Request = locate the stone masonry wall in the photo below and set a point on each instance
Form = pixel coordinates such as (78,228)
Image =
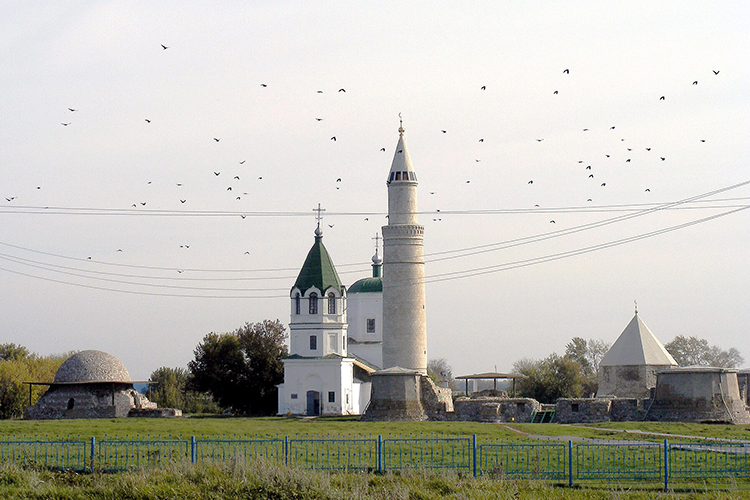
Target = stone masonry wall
(488,409)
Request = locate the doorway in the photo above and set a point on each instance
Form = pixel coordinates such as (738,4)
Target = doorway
(313,403)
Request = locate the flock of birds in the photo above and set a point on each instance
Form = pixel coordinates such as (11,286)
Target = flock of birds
(237,189)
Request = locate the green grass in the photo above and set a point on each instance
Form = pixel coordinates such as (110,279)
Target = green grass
(260,480)
(647,431)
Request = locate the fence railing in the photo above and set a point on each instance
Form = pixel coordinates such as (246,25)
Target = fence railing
(552,461)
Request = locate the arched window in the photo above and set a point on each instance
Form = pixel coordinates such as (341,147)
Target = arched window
(71,403)
(331,303)
(296,303)
(313,303)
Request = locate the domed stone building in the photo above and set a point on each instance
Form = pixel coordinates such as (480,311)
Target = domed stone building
(93,384)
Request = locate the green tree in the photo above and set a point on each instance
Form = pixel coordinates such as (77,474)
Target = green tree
(170,390)
(588,354)
(18,366)
(688,351)
(550,378)
(241,369)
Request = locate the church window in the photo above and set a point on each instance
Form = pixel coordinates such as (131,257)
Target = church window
(331,396)
(313,303)
(294,396)
(313,342)
(398,176)
(370,325)
(297,304)
(331,303)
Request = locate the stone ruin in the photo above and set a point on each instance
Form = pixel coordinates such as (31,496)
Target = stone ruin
(94,384)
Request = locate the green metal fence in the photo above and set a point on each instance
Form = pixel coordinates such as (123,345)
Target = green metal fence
(550,461)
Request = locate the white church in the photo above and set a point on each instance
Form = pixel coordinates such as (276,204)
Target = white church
(336,334)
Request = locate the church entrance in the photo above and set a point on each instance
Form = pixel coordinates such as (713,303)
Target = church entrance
(313,403)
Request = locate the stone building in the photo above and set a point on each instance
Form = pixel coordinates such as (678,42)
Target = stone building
(698,394)
(628,370)
(93,384)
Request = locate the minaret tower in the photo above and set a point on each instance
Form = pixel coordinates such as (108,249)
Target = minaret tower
(404,324)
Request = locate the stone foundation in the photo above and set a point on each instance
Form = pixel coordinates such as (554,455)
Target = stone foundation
(401,394)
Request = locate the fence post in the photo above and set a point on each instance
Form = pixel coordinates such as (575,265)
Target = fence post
(93,445)
(666,465)
(193,451)
(474,452)
(570,463)
(286,450)
(380,453)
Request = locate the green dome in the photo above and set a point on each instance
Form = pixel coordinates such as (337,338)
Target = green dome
(318,270)
(367,285)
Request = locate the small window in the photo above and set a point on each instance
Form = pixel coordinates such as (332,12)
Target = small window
(297,301)
(313,342)
(370,325)
(331,303)
(331,397)
(414,176)
(520,406)
(398,176)
(313,303)
(71,403)
(390,179)
(294,396)
(574,407)
(343,343)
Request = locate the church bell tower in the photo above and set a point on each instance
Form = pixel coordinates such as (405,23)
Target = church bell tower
(404,319)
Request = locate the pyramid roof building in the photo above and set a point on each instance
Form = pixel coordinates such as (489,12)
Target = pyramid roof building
(318,270)
(637,346)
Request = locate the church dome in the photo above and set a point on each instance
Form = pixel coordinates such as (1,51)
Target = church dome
(318,270)
(91,366)
(367,285)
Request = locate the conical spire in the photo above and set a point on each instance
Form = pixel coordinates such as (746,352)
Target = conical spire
(401,167)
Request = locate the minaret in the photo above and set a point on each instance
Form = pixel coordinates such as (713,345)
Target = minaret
(404,325)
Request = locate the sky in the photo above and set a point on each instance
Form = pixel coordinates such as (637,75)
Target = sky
(125,124)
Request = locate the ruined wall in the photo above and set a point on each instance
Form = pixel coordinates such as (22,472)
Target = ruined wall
(437,402)
(396,395)
(488,409)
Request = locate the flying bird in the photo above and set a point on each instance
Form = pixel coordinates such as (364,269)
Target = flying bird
(539,140)
(217,173)
(65,124)
(333,138)
(611,128)
(320,91)
(71,109)
(119,249)
(342,90)
(263,85)
(585,130)
(566,71)
(531,182)
(552,222)
(243,162)
(331,225)
(555,92)
(148,121)
(604,184)
(627,161)
(164,47)
(444,131)
(716,72)
(468,182)
(243,216)
(338,180)
(648,149)
(662,158)
(695,82)
(400,151)
(703,140)
(481,140)
(591,176)
(648,190)
(318,119)
(229,188)
(477,161)
(588,168)
(237,177)
(143,203)
(661,98)
(382,149)
(11,198)
(483,87)
(183,201)
(217,140)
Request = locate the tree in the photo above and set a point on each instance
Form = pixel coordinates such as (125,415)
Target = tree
(688,351)
(549,379)
(587,354)
(441,373)
(18,366)
(170,390)
(241,369)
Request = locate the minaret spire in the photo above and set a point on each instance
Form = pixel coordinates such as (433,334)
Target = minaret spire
(400,126)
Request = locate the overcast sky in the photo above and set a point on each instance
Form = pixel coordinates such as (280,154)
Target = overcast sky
(118,230)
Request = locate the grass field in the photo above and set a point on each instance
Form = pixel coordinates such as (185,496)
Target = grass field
(352,427)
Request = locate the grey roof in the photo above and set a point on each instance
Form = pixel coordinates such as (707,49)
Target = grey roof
(637,346)
(92,366)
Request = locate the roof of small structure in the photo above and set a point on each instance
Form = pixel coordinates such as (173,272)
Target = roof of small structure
(698,369)
(318,270)
(367,285)
(637,346)
(91,366)
(490,376)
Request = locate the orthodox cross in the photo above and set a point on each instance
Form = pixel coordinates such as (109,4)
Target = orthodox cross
(319,217)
